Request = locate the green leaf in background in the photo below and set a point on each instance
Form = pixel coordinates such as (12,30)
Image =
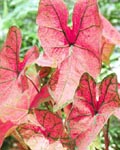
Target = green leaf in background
(96,144)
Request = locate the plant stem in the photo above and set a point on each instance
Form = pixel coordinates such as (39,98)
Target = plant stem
(18,137)
(106,136)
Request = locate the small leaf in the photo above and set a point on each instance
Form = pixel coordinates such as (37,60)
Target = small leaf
(5,130)
(41,97)
(51,122)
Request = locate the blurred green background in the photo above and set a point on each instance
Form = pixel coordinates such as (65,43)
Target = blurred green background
(22,13)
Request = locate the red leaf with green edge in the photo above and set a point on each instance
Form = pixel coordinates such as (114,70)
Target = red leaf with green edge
(51,122)
(109,32)
(107,50)
(5,130)
(47,125)
(91,109)
(74,47)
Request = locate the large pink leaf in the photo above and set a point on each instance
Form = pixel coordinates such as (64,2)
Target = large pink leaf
(73,46)
(16,90)
(66,78)
(92,108)
(52,21)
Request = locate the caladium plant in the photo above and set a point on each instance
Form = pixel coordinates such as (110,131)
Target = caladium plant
(47,98)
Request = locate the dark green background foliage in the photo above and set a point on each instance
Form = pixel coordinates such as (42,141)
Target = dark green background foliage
(22,13)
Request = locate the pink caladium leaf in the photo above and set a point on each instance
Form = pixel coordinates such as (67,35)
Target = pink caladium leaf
(73,46)
(16,91)
(91,109)
(49,126)
(9,62)
(52,21)
(36,140)
(29,57)
(41,97)
(51,122)
(10,65)
(5,130)
(109,32)
(16,106)
(111,37)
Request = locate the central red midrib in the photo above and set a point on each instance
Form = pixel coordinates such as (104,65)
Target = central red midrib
(70,36)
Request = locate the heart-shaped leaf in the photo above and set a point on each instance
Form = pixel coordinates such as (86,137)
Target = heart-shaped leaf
(16,90)
(91,109)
